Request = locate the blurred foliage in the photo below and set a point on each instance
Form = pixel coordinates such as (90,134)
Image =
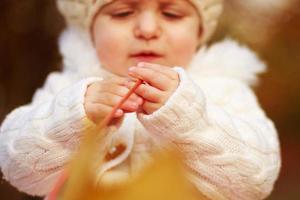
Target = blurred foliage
(162,179)
(28,52)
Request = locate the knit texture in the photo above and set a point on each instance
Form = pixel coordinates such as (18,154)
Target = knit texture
(230,146)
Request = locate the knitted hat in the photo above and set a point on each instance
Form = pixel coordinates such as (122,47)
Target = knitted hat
(81,13)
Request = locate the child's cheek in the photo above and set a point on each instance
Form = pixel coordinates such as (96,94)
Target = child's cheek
(110,50)
(184,42)
(186,49)
(105,46)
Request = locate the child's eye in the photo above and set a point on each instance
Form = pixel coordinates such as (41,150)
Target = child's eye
(122,14)
(172,15)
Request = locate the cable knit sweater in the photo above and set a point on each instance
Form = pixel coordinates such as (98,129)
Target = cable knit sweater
(231,148)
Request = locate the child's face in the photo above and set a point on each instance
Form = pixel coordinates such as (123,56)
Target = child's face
(165,32)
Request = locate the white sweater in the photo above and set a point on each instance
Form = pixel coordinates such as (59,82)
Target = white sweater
(231,148)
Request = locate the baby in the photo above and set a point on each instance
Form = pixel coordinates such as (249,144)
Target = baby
(196,98)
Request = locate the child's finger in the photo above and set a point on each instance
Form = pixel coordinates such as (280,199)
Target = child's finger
(149,93)
(97,112)
(114,86)
(167,71)
(107,83)
(130,106)
(112,100)
(150,107)
(152,77)
(117,80)
(135,98)
(120,90)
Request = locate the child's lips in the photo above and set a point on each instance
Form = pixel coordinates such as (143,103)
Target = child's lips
(146,57)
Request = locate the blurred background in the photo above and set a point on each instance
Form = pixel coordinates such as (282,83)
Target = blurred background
(29,51)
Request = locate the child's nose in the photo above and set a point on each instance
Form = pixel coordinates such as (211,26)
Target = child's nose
(147,26)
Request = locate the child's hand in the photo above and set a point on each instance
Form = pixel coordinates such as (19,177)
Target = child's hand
(161,82)
(102,96)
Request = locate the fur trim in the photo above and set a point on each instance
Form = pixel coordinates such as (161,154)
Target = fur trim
(79,54)
(226,58)
(230,59)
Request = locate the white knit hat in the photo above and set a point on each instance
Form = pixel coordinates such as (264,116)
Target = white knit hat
(81,13)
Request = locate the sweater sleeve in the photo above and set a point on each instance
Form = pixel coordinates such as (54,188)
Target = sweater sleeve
(230,147)
(37,139)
